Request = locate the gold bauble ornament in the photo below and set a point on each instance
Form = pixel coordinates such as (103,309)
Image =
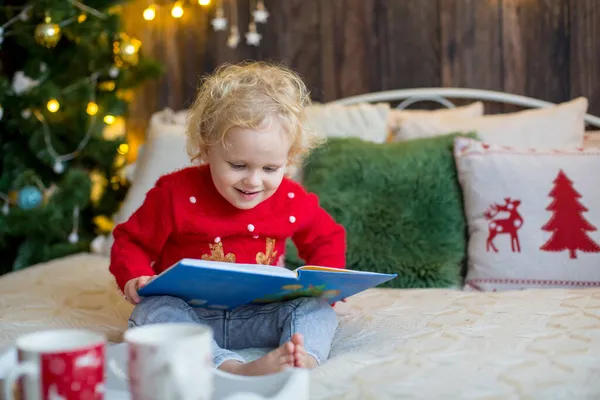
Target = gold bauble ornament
(107,86)
(127,95)
(47,34)
(99,183)
(103,223)
(126,51)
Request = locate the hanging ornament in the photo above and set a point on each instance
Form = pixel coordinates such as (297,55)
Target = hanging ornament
(1,35)
(5,209)
(22,83)
(126,51)
(1,112)
(252,36)
(29,197)
(73,237)
(47,34)
(113,72)
(260,14)
(59,167)
(234,37)
(219,22)
(26,113)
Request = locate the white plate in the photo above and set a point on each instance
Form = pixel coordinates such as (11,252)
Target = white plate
(277,385)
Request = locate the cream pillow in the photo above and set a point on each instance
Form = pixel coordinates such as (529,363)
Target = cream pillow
(533,216)
(591,139)
(398,117)
(164,152)
(365,121)
(557,126)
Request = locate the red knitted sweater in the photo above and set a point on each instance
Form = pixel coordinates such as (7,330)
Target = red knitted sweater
(183,216)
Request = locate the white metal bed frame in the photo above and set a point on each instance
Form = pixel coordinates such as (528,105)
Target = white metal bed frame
(441,96)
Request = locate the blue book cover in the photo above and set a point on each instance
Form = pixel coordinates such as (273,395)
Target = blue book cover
(225,286)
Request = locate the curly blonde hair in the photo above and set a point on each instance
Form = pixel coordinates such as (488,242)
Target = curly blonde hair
(245,95)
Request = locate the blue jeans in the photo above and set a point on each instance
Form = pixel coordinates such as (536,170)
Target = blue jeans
(252,326)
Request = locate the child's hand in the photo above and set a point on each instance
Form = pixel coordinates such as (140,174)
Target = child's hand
(132,286)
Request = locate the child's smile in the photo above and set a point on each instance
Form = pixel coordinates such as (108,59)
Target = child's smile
(249,167)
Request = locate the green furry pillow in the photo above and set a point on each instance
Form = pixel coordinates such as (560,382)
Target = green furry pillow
(400,203)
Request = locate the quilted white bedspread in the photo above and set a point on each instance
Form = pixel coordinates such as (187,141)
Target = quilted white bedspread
(409,344)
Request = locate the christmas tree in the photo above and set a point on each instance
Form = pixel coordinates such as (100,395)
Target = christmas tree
(568,225)
(68,74)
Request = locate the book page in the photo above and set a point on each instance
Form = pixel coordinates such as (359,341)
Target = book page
(258,269)
(329,269)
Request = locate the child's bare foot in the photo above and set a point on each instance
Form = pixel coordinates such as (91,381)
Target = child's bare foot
(276,361)
(301,358)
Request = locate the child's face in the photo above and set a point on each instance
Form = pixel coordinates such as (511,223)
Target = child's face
(251,167)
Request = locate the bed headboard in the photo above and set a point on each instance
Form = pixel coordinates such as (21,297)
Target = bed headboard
(406,97)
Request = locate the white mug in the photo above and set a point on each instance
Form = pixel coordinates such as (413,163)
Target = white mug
(170,361)
(60,364)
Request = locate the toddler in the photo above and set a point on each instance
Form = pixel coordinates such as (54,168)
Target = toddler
(236,205)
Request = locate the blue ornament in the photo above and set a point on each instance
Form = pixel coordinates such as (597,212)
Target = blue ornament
(29,197)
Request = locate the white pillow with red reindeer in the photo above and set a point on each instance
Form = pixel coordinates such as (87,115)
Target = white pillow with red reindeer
(533,216)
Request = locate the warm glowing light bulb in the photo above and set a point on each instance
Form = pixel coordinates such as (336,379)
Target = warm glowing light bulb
(92,108)
(123,148)
(204,2)
(177,10)
(109,119)
(53,105)
(149,13)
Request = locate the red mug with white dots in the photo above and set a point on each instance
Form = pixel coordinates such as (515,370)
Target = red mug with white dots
(62,364)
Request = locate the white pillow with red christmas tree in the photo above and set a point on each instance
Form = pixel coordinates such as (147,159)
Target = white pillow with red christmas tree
(533,216)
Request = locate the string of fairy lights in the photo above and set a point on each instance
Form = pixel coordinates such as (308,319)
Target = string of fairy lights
(126,53)
(48,34)
(225,15)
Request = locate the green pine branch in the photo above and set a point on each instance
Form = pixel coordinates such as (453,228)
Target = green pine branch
(74,72)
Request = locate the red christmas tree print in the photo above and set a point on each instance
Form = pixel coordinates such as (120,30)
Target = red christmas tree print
(567,224)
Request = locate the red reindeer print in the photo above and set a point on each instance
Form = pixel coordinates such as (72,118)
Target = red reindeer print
(504,225)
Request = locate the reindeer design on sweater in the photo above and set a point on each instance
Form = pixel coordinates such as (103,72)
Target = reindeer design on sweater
(504,225)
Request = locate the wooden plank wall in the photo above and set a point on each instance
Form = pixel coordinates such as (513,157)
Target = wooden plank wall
(544,49)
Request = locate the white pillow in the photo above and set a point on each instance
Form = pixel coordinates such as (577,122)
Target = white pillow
(533,216)
(164,152)
(557,126)
(365,121)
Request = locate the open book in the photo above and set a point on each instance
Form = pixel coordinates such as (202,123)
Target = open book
(222,285)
